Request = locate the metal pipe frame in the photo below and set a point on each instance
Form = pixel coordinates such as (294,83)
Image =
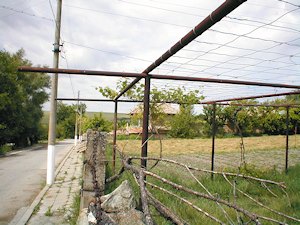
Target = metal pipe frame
(213,139)
(214,17)
(78,72)
(159,77)
(115,136)
(224,9)
(260,105)
(146,112)
(174,102)
(287,138)
(253,97)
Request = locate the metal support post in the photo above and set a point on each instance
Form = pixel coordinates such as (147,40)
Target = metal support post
(80,125)
(53,103)
(287,138)
(76,121)
(115,136)
(213,138)
(145,122)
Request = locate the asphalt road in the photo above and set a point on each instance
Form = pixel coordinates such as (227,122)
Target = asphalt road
(22,177)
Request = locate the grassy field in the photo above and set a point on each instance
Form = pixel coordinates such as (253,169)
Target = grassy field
(264,152)
(288,203)
(223,145)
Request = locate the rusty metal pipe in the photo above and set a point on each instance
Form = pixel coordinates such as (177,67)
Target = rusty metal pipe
(153,76)
(79,72)
(223,81)
(144,150)
(97,100)
(253,97)
(174,102)
(115,136)
(214,129)
(287,139)
(258,105)
(223,10)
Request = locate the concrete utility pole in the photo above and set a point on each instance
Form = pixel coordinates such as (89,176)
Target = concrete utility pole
(53,103)
(76,121)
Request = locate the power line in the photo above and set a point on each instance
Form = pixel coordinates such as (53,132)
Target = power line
(178,25)
(126,16)
(22,12)
(240,69)
(256,38)
(230,19)
(264,23)
(105,51)
(239,36)
(65,56)
(238,56)
(254,52)
(289,3)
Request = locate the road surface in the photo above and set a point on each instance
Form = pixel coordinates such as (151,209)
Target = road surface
(23,175)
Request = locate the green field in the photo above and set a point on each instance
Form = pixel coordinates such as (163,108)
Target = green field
(286,201)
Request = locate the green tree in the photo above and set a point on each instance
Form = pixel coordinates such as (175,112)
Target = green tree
(185,124)
(272,120)
(208,118)
(98,122)
(180,95)
(294,113)
(66,119)
(243,120)
(21,99)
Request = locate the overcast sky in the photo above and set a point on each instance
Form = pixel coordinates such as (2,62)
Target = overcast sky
(259,41)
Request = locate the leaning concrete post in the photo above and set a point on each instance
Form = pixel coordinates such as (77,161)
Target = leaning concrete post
(94,167)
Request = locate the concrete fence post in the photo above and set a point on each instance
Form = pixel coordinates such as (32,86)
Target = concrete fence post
(94,167)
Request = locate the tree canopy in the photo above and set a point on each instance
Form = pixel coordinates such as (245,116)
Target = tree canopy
(21,98)
(97,122)
(66,119)
(182,125)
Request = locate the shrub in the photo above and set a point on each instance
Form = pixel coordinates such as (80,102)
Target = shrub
(4,149)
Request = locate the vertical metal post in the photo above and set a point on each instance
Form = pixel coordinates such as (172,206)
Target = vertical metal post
(80,125)
(213,138)
(145,122)
(53,103)
(287,138)
(115,136)
(76,120)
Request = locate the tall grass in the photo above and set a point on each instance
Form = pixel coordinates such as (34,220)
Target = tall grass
(218,187)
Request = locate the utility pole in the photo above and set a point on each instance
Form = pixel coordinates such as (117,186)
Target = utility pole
(76,120)
(53,103)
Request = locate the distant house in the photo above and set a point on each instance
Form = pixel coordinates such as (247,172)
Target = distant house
(166,108)
(136,113)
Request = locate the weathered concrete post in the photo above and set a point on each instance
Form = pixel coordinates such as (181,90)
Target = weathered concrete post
(94,167)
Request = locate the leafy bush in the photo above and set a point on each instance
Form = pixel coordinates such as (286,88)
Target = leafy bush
(98,122)
(4,149)
(185,124)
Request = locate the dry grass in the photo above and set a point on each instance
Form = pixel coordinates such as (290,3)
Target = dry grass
(192,146)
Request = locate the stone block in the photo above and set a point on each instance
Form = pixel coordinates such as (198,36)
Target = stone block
(87,178)
(86,198)
(121,199)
